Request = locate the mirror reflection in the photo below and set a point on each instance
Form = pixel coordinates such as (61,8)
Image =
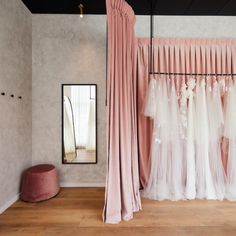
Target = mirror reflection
(79,123)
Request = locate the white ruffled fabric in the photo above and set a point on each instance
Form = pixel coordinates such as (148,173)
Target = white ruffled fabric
(216,124)
(186,158)
(230,134)
(190,191)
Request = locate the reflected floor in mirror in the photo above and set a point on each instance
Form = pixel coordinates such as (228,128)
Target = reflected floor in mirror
(83,156)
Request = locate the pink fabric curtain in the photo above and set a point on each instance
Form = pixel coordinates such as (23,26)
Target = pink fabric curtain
(144,125)
(184,56)
(122,196)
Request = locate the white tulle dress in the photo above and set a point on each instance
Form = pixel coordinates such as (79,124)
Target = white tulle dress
(215,124)
(175,146)
(230,134)
(157,107)
(190,191)
(186,160)
(166,174)
(204,181)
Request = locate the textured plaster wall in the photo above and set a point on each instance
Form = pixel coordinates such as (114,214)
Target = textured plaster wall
(15,114)
(188,26)
(67,49)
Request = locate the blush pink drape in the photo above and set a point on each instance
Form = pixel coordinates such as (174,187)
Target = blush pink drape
(144,124)
(208,56)
(122,196)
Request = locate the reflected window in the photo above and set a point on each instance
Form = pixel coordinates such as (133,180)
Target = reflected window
(79,123)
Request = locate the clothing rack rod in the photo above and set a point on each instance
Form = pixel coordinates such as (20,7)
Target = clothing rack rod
(193,74)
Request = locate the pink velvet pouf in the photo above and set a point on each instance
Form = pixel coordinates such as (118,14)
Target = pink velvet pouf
(39,183)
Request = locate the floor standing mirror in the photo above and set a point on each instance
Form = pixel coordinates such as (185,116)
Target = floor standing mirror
(79,126)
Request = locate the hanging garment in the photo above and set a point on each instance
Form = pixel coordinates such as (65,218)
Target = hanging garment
(224,140)
(166,174)
(176,145)
(230,134)
(186,145)
(158,186)
(204,181)
(216,122)
(190,191)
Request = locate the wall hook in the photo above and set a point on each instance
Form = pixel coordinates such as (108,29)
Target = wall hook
(12,95)
(3,94)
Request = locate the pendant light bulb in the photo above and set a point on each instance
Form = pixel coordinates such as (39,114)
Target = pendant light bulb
(81,8)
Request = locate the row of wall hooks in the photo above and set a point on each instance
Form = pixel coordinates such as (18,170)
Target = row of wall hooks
(12,95)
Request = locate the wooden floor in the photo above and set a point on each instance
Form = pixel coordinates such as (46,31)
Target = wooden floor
(77,211)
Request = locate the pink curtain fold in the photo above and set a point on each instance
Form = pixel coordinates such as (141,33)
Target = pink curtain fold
(182,55)
(144,124)
(122,196)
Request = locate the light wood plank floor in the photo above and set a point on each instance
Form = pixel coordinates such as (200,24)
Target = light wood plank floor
(77,211)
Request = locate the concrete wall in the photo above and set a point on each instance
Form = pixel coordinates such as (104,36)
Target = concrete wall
(15,114)
(67,49)
(188,26)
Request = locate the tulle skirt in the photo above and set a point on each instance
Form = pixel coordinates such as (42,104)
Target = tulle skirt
(186,162)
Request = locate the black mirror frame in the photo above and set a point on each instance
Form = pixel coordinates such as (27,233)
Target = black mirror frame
(62,124)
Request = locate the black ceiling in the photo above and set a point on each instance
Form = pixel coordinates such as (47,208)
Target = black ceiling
(141,7)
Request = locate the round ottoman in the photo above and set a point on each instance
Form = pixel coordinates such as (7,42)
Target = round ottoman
(39,183)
